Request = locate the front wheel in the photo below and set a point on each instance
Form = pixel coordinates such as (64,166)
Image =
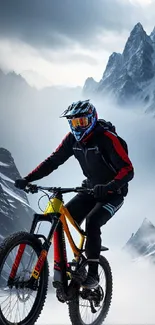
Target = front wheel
(20,304)
(90,307)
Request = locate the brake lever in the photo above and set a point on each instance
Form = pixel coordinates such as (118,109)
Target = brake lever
(26,190)
(31,188)
(90,191)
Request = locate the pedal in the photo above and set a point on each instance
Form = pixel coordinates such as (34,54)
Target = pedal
(57,284)
(79,275)
(61,296)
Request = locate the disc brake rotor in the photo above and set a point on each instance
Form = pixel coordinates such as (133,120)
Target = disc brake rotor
(23,293)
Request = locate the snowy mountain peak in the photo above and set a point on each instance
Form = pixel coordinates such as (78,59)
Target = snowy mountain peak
(142,243)
(146,223)
(138,28)
(114,57)
(4,152)
(90,85)
(129,77)
(136,42)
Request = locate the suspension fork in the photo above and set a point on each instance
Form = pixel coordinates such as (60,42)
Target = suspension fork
(60,257)
(54,220)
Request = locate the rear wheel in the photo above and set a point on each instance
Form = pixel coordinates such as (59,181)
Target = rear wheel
(19,304)
(92,306)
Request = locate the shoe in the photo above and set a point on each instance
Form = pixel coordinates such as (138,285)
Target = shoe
(91,281)
(79,275)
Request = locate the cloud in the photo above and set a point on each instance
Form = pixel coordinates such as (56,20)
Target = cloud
(143,3)
(66,42)
(132,300)
(62,67)
(133,291)
(75,56)
(55,24)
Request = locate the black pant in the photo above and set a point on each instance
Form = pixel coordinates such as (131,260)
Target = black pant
(97,214)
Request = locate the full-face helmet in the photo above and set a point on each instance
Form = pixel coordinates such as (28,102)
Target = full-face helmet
(82,118)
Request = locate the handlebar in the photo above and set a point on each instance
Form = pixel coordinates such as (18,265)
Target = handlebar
(33,188)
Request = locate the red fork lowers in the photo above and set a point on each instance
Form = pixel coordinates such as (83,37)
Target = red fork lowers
(57,257)
(17,261)
(56,251)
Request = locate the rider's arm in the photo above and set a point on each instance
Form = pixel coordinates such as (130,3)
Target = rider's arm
(57,158)
(119,159)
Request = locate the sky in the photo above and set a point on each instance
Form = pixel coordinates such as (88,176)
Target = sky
(64,42)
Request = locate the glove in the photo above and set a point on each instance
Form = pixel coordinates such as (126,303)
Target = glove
(86,183)
(21,183)
(100,190)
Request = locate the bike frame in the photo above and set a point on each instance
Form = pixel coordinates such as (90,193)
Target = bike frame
(57,214)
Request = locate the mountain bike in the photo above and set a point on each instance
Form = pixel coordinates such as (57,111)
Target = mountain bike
(24,268)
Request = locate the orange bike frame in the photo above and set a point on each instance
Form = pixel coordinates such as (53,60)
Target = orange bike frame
(56,205)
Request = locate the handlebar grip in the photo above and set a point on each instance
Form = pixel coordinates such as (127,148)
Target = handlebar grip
(85,190)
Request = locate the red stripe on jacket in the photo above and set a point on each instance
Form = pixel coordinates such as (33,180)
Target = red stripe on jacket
(123,155)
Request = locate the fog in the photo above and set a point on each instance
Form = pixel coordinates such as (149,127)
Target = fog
(133,295)
(31,129)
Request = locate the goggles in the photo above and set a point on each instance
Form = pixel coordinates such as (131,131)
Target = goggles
(80,121)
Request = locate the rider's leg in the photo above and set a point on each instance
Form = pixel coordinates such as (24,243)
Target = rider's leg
(98,216)
(80,205)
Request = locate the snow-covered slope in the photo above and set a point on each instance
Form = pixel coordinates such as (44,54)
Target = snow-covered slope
(142,243)
(15,212)
(129,77)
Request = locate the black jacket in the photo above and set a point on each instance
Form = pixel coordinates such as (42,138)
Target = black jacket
(93,155)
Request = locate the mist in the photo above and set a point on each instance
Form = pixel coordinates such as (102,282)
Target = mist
(133,295)
(30,128)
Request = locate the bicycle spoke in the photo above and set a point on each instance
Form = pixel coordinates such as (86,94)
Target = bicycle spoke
(10,309)
(6,305)
(4,300)
(85,308)
(16,319)
(16,304)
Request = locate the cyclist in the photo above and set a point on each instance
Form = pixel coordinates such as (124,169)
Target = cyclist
(107,169)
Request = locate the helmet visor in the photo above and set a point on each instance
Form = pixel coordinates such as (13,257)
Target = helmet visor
(79,121)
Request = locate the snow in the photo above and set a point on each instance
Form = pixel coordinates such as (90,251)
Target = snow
(17,197)
(150,254)
(12,205)
(3,164)
(6,178)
